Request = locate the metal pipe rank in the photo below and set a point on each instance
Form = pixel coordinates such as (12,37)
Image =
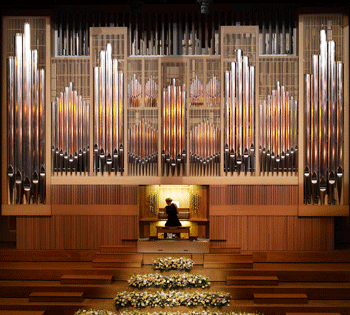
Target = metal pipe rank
(213,92)
(108,115)
(151,93)
(278,148)
(143,149)
(205,150)
(239,88)
(134,92)
(70,133)
(174,130)
(26,124)
(324,119)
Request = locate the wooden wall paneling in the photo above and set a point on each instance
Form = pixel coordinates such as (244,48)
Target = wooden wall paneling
(273,232)
(253,195)
(95,194)
(75,231)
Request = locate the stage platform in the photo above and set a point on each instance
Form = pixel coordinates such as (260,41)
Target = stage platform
(291,282)
(200,246)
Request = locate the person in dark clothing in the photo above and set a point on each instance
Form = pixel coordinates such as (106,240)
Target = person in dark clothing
(170,212)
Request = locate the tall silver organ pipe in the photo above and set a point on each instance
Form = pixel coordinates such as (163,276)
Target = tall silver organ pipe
(26,124)
(108,115)
(70,155)
(278,148)
(323,173)
(174,130)
(239,144)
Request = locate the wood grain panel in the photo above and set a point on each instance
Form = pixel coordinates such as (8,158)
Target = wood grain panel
(272,233)
(80,232)
(94,194)
(253,195)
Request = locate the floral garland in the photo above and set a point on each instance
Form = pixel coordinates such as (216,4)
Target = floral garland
(172,263)
(172,298)
(173,281)
(104,312)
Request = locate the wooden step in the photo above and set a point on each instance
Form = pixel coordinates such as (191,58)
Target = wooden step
(87,279)
(118,249)
(252,280)
(313,313)
(280,298)
(228,258)
(21,312)
(234,261)
(224,250)
(115,264)
(289,275)
(56,297)
(234,265)
(117,260)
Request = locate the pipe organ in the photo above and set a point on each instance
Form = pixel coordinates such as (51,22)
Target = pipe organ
(179,119)
(26,124)
(324,118)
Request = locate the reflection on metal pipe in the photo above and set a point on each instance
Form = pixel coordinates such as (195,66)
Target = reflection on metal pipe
(239,121)
(78,142)
(26,124)
(108,115)
(324,127)
(174,130)
(278,133)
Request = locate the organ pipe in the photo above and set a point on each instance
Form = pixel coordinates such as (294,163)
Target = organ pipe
(143,149)
(26,124)
(239,145)
(74,157)
(278,133)
(204,149)
(173,130)
(108,115)
(323,173)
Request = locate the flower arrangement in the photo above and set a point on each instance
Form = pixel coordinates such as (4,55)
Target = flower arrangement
(104,312)
(172,298)
(173,281)
(172,263)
